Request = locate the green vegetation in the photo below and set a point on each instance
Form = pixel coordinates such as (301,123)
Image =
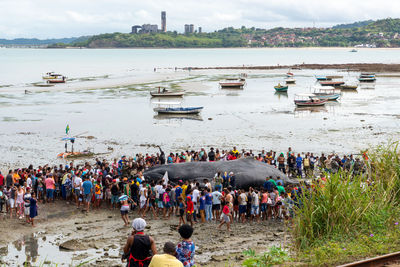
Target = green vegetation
(351,217)
(381,33)
(275,255)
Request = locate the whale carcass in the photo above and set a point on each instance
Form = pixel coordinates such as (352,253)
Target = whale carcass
(248,172)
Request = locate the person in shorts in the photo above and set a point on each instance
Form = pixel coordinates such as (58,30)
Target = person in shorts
(225,217)
(124,199)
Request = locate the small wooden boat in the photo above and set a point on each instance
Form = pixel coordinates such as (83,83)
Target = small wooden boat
(330,77)
(348,87)
(281,88)
(166,93)
(308,100)
(367,74)
(233,83)
(74,155)
(178,110)
(331,83)
(353,50)
(290,81)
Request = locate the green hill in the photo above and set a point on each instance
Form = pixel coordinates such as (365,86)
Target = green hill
(382,33)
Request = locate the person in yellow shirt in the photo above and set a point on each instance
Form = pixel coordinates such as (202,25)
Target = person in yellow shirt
(167,259)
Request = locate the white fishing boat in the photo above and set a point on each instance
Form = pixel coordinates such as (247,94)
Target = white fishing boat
(162,92)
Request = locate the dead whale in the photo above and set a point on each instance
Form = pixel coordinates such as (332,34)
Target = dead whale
(248,172)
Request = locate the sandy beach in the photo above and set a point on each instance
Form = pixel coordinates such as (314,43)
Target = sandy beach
(100,236)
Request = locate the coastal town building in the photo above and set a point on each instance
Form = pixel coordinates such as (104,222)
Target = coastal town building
(163,21)
(189,28)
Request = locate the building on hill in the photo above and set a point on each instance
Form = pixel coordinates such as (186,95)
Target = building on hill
(189,28)
(136,29)
(163,21)
(149,28)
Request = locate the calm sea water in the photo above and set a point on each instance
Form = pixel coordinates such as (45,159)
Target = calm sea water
(122,118)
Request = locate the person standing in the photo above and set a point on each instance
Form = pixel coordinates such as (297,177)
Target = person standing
(33,208)
(50,187)
(87,188)
(77,189)
(208,205)
(9,179)
(139,248)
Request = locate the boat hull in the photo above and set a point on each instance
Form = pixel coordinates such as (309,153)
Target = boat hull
(167,94)
(308,103)
(193,110)
(329,97)
(281,89)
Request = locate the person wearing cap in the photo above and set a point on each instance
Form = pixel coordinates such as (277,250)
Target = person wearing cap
(168,259)
(139,248)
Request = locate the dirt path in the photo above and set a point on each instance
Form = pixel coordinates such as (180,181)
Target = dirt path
(100,236)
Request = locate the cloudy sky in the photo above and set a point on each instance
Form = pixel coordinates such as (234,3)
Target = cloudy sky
(67,18)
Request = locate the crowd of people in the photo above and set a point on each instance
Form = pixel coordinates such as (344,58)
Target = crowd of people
(120,184)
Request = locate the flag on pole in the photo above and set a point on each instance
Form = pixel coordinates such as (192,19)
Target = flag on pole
(67,129)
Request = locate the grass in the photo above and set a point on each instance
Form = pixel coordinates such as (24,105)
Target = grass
(349,217)
(274,256)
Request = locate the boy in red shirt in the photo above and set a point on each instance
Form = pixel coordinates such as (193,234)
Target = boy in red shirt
(225,218)
(189,210)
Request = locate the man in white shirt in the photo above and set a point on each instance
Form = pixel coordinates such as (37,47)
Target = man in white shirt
(195,199)
(77,189)
(216,207)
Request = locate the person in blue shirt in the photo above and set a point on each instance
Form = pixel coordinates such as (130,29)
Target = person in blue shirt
(299,162)
(208,205)
(202,207)
(87,189)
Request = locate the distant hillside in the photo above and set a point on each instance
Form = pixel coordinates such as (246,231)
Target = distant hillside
(34,41)
(353,25)
(381,33)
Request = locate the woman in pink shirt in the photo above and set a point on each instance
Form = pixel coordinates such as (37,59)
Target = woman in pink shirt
(50,186)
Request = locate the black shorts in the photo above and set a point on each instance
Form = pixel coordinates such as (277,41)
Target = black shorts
(181,212)
(216,206)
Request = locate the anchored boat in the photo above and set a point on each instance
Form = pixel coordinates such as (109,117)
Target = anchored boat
(308,100)
(233,83)
(281,88)
(327,93)
(168,108)
(166,93)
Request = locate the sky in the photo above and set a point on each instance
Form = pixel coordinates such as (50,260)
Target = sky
(72,18)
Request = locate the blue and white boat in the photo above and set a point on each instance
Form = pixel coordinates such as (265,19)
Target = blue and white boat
(327,93)
(169,109)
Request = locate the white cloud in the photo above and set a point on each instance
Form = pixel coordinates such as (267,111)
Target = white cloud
(63,18)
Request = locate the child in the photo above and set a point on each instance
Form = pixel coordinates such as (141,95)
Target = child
(166,204)
(185,249)
(189,210)
(202,207)
(33,208)
(182,208)
(225,217)
(97,192)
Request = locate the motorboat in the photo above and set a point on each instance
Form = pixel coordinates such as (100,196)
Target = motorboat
(308,100)
(171,108)
(327,93)
(233,83)
(162,92)
(331,83)
(51,75)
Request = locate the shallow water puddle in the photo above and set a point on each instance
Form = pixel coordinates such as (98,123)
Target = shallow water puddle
(43,250)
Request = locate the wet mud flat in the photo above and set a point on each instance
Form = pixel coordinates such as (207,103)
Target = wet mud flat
(370,67)
(66,236)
